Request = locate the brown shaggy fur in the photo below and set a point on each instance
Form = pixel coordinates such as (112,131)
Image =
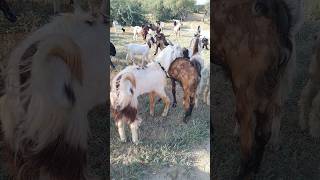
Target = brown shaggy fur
(130,114)
(183,71)
(310,97)
(255,50)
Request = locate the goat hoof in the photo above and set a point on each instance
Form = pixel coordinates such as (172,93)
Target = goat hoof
(151,113)
(123,140)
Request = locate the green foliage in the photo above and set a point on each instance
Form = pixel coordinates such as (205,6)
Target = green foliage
(167,9)
(127,12)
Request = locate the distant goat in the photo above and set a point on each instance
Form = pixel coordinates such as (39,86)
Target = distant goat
(138,49)
(177,27)
(136,31)
(117,26)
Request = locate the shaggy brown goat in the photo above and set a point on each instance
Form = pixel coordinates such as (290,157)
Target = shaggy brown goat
(310,96)
(187,72)
(254,41)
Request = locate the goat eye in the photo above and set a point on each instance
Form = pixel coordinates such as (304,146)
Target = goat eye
(131,91)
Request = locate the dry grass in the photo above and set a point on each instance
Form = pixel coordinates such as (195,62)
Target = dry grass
(167,145)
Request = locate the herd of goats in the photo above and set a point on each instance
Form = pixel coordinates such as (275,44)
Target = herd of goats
(55,76)
(183,65)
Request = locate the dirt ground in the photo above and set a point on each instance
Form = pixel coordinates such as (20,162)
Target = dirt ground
(298,156)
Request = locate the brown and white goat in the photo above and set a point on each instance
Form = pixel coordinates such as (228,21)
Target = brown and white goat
(53,78)
(310,97)
(254,41)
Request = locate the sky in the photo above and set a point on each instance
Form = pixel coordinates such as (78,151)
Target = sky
(201,2)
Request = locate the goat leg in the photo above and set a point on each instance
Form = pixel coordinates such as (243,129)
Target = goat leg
(173,82)
(189,111)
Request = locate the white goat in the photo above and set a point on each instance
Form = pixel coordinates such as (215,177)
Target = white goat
(136,31)
(53,78)
(116,26)
(139,49)
(177,27)
(162,26)
(134,81)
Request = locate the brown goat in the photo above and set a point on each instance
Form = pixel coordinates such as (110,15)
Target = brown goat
(254,41)
(310,96)
(161,42)
(187,72)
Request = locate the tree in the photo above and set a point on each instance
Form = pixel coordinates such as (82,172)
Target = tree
(180,8)
(127,12)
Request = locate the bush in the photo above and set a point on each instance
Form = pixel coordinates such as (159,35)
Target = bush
(128,12)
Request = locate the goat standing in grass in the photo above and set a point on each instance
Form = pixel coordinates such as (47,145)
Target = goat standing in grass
(53,78)
(136,31)
(177,27)
(134,81)
(139,49)
(187,72)
(310,97)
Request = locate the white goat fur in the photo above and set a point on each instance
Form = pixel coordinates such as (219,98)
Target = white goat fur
(151,79)
(138,49)
(50,113)
(204,87)
(136,31)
